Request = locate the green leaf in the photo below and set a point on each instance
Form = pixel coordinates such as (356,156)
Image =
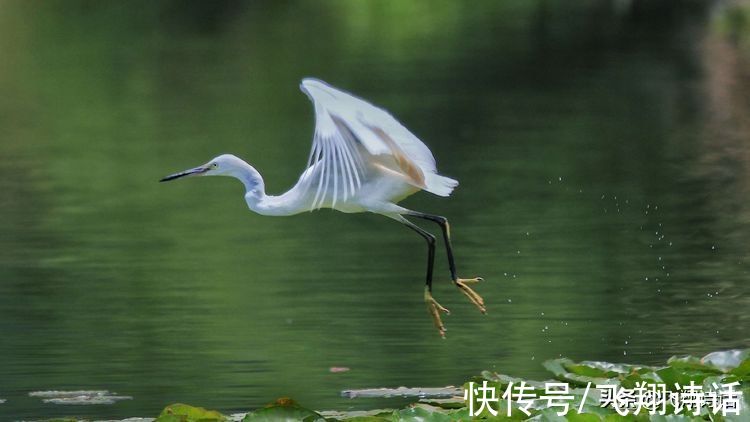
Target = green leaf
(503,380)
(606,369)
(675,375)
(559,367)
(420,414)
(186,413)
(283,409)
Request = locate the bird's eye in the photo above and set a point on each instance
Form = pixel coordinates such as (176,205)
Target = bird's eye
(214,165)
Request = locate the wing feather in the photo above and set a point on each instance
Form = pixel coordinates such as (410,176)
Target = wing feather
(346,127)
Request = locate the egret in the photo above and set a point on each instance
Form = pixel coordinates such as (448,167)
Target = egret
(362,160)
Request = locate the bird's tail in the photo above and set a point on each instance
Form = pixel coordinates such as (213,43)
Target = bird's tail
(439,185)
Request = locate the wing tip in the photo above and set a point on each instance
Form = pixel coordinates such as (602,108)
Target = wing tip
(311,82)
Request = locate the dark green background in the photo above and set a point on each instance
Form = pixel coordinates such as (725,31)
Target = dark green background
(601,146)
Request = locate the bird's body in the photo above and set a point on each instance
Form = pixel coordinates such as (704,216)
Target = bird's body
(378,192)
(362,160)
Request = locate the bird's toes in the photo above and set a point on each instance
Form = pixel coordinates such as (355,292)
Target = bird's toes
(469,280)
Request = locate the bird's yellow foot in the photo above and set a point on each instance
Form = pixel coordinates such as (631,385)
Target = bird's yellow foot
(462,283)
(435,308)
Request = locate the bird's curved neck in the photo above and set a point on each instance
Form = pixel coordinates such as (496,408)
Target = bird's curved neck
(251,178)
(259,202)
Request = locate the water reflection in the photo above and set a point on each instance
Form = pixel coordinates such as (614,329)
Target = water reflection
(600,148)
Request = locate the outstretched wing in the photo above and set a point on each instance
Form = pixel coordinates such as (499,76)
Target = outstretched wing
(352,136)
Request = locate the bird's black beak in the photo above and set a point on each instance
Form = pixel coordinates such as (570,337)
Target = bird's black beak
(191,172)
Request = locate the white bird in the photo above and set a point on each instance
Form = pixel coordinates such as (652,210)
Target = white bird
(362,159)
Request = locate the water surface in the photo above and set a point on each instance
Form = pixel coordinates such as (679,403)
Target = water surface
(601,149)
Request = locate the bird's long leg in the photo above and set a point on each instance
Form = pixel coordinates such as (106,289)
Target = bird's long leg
(432,305)
(461,283)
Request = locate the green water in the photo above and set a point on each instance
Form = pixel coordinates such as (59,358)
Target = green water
(602,150)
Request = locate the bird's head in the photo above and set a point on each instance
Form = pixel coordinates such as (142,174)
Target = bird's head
(223,165)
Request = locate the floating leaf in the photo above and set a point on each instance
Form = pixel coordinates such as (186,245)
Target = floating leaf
(420,414)
(359,415)
(423,412)
(283,409)
(504,380)
(606,369)
(671,376)
(559,367)
(186,413)
(687,362)
(451,403)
